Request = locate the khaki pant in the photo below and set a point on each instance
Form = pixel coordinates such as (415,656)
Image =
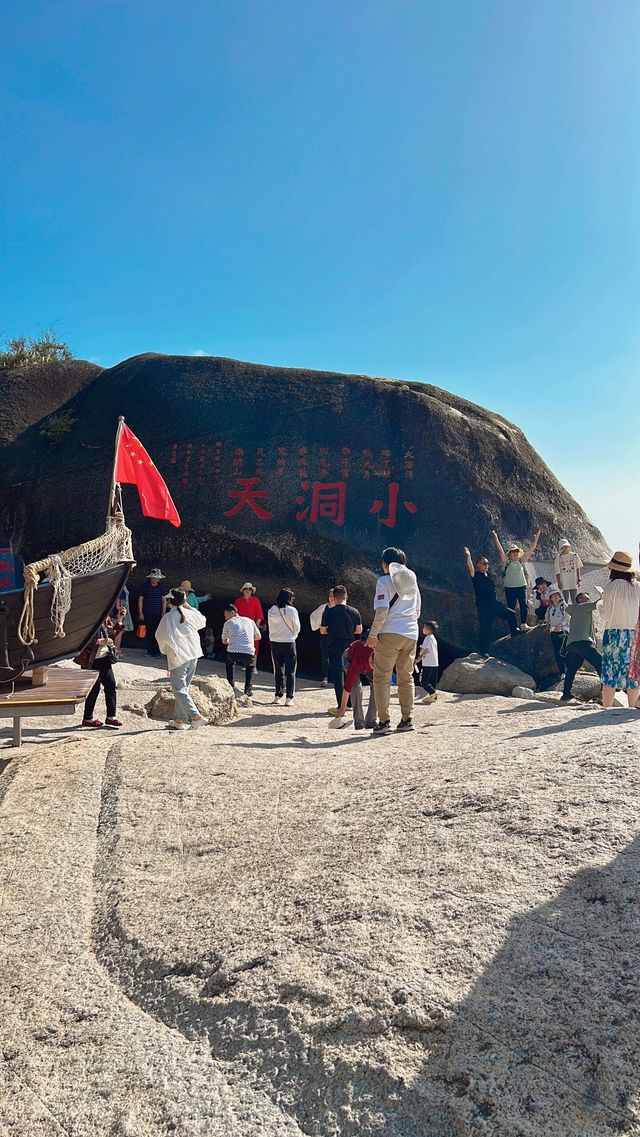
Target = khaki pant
(393,650)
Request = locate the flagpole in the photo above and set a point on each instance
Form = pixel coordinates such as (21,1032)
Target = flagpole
(112,492)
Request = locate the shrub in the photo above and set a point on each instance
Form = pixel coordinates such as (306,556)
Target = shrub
(57,426)
(22,351)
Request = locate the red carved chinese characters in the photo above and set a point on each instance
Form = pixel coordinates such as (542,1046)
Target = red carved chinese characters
(328,501)
(392,506)
(248,495)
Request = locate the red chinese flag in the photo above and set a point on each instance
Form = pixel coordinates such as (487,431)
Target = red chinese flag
(133,465)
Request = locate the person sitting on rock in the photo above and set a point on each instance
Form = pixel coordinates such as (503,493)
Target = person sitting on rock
(557,623)
(488,606)
(516,581)
(567,567)
(581,641)
(541,597)
(239,633)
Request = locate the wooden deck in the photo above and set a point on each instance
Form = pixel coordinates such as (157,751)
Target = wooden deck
(62,692)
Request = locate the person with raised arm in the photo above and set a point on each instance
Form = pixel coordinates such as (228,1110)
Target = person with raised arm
(516,580)
(488,606)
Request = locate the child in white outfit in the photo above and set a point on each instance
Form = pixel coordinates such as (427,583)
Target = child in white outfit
(428,657)
(557,622)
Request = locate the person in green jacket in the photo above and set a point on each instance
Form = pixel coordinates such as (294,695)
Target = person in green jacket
(516,581)
(193,600)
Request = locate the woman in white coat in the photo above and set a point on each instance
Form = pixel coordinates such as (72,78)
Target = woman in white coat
(284,629)
(178,639)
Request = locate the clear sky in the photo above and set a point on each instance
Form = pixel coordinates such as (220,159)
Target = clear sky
(446,191)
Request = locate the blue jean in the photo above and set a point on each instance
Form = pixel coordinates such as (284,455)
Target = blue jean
(181,677)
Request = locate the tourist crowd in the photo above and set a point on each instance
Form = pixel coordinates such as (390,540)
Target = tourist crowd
(395,649)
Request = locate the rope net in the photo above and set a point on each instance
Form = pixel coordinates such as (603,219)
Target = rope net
(60,569)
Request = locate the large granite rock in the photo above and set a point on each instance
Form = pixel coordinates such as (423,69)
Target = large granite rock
(475,675)
(292,477)
(531,652)
(212,696)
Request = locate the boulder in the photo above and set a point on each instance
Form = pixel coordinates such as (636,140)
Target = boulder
(212,696)
(531,652)
(474,675)
(587,687)
(523,693)
(290,477)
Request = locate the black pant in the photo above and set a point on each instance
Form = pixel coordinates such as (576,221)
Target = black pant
(284,665)
(106,679)
(517,596)
(578,651)
(557,640)
(246,661)
(324,657)
(429,679)
(486,615)
(151,643)
(336,650)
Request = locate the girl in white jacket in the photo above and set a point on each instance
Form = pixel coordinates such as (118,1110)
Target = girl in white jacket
(178,639)
(556,619)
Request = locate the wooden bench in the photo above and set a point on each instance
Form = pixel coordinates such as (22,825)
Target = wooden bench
(59,694)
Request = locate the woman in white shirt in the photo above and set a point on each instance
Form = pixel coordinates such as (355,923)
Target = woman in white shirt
(284,629)
(178,639)
(620,604)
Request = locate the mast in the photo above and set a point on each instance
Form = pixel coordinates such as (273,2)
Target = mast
(115,500)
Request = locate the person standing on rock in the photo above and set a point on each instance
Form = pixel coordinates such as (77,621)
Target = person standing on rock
(247,604)
(284,629)
(581,641)
(516,581)
(557,624)
(393,637)
(567,567)
(340,624)
(179,639)
(239,634)
(488,606)
(620,606)
(315,619)
(151,607)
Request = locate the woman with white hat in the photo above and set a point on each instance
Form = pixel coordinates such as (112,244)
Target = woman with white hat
(248,605)
(620,606)
(567,567)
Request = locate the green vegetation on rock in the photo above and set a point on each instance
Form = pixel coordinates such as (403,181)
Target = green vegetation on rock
(22,351)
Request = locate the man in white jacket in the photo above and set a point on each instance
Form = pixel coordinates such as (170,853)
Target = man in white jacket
(393,637)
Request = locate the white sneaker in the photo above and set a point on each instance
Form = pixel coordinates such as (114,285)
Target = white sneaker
(277,699)
(288,702)
(173,725)
(195,723)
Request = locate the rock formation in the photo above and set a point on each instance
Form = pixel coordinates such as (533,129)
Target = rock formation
(291,477)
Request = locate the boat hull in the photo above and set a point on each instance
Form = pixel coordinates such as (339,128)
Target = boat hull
(92,598)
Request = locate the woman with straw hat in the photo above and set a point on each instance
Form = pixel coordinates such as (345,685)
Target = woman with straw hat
(620,607)
(516,580)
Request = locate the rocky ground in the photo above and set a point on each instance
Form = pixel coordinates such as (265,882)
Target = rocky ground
(272,928)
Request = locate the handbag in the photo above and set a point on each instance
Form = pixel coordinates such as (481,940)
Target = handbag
(141,631)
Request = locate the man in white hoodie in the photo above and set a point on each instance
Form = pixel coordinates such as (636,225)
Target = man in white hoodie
(393,637)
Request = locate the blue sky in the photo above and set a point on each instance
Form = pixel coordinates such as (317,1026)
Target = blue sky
(438,191)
